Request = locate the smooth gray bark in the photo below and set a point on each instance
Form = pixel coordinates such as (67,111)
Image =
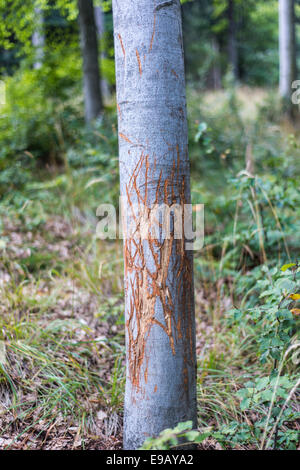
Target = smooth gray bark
(38,39)
(89,47)
(154,168)
(287,48)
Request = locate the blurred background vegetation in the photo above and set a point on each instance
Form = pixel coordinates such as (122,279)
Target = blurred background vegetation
(61,318)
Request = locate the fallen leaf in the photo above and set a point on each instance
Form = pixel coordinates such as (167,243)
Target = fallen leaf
(295,296)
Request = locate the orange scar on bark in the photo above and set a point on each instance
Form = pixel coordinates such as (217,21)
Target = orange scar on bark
(122,45)
(153,34)
(139,61)
(144,287)
(119,110)
(124,137)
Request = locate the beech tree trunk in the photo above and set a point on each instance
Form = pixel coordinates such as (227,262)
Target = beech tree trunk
(232,40)
(38,38)
(287,48)
(89,47)
(154,169)
(99,19)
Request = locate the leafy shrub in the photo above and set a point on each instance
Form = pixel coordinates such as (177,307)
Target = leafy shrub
(170,438)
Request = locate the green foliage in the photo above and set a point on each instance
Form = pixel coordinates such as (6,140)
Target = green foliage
(32,127)
(181,435)
(21,19)
(252,228)
(206,35)
(259,210)
(259,396)
(41,125)
(259,44)
(275,317)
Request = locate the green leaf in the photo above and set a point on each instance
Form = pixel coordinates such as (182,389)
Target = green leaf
(262,383)
(192,435)
(201,129)
(201,437)
(184,426)
(245,404)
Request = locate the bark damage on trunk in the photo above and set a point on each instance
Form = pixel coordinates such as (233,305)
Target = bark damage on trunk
(154,170)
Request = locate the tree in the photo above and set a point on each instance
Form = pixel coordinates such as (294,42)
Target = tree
(99,18)
(89,47)
(232,40)
(154,169)
(38,38)
(287,48)
(215,72)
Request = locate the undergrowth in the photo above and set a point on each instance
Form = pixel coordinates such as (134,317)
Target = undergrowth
(61,298)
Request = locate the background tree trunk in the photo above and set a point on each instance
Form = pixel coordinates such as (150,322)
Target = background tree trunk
(154,169)
(232,40)
(38,38)
(89,47)
(287,48)
(216,73)
(100,25)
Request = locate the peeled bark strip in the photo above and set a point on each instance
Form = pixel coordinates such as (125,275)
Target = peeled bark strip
(89,47)
(154,169)
(287,52)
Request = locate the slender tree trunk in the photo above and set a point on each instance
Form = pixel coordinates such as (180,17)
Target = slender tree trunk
(250,162)
(216,69)
(154,169)
(89,47)
(99,18)
(287,48)
(38,38)
(232,40)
